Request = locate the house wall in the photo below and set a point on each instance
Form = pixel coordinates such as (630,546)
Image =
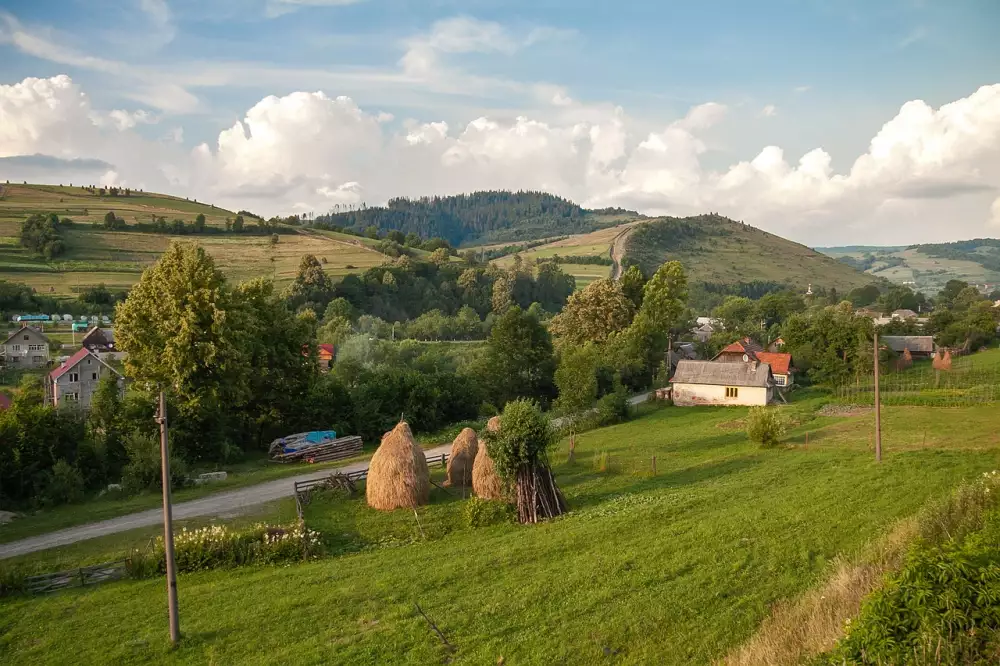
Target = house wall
(690,395)
(730,357)
(91,373)
(17,354)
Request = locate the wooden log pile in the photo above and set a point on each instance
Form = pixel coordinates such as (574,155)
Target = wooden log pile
(342,447)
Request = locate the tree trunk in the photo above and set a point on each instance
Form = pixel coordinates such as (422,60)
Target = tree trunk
(538,497)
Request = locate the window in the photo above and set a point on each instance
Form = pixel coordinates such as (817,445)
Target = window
(732,392)
(15,359)
(37,359)
(74,376)
(16,348)
(779,380)
(71,397)
(36,347)
(27,337)
(93,376)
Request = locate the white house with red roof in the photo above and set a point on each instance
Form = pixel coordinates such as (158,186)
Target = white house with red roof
(75,381)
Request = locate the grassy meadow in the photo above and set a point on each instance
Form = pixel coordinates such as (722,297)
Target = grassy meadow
(679,566)
(117,258)
(594,244)
(921,271)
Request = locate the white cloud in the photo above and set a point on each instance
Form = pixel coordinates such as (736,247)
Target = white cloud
(927,174)
(769,111)
(276,8)
(124,120)
(161,18)
(918,34)
(801,89)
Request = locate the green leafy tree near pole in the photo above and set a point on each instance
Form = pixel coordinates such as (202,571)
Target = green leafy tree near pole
(518,360)
(182,330)
(664,298)
(576,378)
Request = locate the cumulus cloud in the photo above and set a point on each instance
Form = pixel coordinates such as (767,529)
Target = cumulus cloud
(769,111)
(927,173)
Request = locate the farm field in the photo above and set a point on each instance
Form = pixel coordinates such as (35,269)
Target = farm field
(917,269)
(677,567)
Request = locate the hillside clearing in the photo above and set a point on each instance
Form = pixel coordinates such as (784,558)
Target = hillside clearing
(674,568)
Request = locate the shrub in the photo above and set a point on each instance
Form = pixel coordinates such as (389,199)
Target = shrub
(218,546)
(143,469)
(483,513)
(64,484)
(765,426)
(612,408)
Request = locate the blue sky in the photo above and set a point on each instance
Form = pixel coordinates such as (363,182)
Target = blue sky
(797,74)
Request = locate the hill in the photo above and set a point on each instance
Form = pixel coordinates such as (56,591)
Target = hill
(479,217)
(116,258)
(928,267)
(726,257)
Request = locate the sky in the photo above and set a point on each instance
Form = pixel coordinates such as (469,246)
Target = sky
(826,121)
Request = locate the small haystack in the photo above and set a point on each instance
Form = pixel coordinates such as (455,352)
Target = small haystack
(905,361)
(493,425)
(397,475)
(485,481)
(942,360)
(462,458)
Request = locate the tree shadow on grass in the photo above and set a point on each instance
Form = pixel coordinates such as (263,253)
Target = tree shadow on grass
(687,476)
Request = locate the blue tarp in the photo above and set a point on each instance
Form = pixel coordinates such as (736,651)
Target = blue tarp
(304,440)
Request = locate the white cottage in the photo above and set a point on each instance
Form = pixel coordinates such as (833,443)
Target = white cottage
(718,383)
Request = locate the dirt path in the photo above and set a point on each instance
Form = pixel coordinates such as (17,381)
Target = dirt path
(227,503)
(618,251)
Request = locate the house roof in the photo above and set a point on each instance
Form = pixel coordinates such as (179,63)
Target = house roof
(74,360)
(904,314)
(723,374)
(780,362)
(23,329)
(99,337)
(324,348)
(915,343)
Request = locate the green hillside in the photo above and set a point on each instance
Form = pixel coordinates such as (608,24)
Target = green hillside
(726,257)
(927,267)
(479,217)
(95,255)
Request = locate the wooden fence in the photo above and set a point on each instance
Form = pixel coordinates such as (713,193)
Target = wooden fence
(92,575)
(336,449)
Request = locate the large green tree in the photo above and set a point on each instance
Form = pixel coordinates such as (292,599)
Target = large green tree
(594,314)
(182,330)
(518,360)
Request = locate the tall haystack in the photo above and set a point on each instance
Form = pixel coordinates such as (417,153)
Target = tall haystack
(462,458)
(485,481)
(397,475)
(942,360)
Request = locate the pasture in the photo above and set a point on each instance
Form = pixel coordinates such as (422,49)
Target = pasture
(679,566)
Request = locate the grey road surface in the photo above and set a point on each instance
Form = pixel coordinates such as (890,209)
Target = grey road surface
(232,502)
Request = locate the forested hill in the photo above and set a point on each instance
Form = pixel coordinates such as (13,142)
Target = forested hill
(495,216)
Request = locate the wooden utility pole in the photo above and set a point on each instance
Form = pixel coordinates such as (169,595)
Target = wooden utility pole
(878,409)
(168,524)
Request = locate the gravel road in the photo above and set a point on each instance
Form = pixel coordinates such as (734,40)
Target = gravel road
(232,502)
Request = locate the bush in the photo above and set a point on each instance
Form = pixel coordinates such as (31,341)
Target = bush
(765,426)
(483,513)
(218,546)
(612,408)
(143,469)
(63,485)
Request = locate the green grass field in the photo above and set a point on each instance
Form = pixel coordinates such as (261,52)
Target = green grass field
(918,270)
(673,568)
(117,258)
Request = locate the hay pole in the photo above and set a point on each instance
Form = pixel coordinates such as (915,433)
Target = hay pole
(451,648)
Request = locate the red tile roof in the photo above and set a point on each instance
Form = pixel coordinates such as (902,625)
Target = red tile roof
(70,362)
(780,362)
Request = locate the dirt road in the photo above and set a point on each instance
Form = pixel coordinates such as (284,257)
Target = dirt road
(618,251)
(231,502)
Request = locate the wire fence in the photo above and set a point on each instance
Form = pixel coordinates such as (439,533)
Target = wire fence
(925,386)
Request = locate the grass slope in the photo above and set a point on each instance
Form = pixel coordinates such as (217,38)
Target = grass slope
(117,258)
(719,251)
(673,568)
(918,268)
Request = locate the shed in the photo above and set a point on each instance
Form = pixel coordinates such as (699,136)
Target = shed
(920,346)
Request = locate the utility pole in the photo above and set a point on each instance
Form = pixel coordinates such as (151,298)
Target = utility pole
(168,525)
(878,410)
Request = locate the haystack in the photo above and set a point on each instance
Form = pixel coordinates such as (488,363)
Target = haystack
(485,481)
(942,360)
(397,475)
(462,458)
(493,425)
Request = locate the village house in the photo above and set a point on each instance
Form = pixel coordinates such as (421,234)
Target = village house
(919,346)
(26,348)
(101,341)
(904,315)
(75,381)
(748,351)
(714,383)
(325,354)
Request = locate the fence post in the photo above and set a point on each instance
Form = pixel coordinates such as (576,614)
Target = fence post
(654,465)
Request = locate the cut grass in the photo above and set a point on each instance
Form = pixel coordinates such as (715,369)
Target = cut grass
(676,568)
